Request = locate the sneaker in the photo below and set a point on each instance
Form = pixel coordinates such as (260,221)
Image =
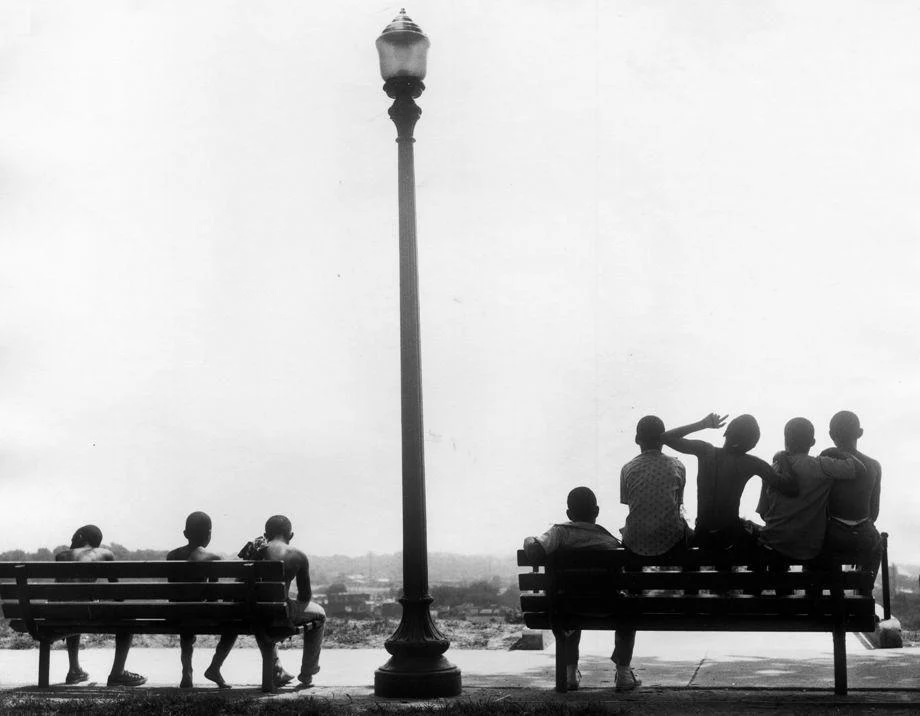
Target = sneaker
(76,677)
(625,679)
(126,678)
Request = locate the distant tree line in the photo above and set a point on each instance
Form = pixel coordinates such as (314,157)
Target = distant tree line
(482,593)
(43,554)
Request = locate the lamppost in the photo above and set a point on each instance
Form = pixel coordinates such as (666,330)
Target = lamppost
(417,667)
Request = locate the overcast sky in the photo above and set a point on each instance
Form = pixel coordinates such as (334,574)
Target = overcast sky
(624,208)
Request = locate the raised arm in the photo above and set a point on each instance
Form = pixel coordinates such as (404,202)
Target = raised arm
(676,437)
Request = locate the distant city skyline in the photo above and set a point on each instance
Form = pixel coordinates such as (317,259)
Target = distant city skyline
(624,208)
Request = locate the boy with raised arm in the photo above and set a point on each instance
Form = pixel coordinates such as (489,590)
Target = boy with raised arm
(198,533)
(722,474)
(583,532)
(795,526)
(85,546)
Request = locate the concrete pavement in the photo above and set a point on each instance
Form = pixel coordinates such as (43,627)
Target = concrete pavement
(688,666)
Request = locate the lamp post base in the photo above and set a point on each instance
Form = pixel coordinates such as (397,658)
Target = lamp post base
(417,677)
(417,667)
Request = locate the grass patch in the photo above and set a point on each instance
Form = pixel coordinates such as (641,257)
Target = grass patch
(194,705)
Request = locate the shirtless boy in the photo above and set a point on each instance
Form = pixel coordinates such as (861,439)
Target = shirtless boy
(302,610)
(721,476)
(198,533)
(85,547)
(853,505)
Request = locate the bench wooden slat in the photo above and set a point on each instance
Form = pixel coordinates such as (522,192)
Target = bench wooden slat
(279,628)
(766,607)
(611,581)
(180,591)
(602,579)
(693,558)
(739,604)
(532,581)
(702,622)
(162,569)
(89,611)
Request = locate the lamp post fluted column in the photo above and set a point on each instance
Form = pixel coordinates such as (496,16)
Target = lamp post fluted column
(417,667)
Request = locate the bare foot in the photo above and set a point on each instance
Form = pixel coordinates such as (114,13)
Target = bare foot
(282,677)
(215,676)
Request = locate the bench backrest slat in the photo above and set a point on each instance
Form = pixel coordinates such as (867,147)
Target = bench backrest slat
(693,558)
(160,569)
(676,580)
(178,611)
(175,591)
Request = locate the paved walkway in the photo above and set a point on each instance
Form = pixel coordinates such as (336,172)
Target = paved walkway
(696,668)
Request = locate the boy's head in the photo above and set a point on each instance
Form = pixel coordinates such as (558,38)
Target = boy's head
(198,529)
(648,432)
(86,536)
(278,527)
(742,434)
(845,429)
(799,435)
(582,505)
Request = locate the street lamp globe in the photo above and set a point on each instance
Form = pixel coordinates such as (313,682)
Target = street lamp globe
(403,50)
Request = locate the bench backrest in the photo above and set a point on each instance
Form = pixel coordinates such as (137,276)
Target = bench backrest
(611,585)
(48,595)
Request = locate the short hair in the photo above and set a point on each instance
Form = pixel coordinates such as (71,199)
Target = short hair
(198,524)
(649,430)
(277,525)
(582,502)
(799,434)
(87,534)
(845,426)
(742,433)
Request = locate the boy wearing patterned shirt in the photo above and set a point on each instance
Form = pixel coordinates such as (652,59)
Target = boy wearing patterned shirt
(652,486)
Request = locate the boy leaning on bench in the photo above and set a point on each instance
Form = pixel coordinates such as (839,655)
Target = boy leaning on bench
(814,508)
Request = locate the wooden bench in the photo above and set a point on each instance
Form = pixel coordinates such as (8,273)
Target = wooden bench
(222,597)
(608,590)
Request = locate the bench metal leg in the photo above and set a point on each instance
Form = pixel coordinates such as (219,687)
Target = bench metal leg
(266,648)
(840,662)
(44,663)
(562,683)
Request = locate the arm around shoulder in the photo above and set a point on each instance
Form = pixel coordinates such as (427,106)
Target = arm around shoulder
(786,484)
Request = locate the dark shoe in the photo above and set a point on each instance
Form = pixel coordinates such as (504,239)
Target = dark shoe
(126,678)
(76,677)
(304,684)
(186,682)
